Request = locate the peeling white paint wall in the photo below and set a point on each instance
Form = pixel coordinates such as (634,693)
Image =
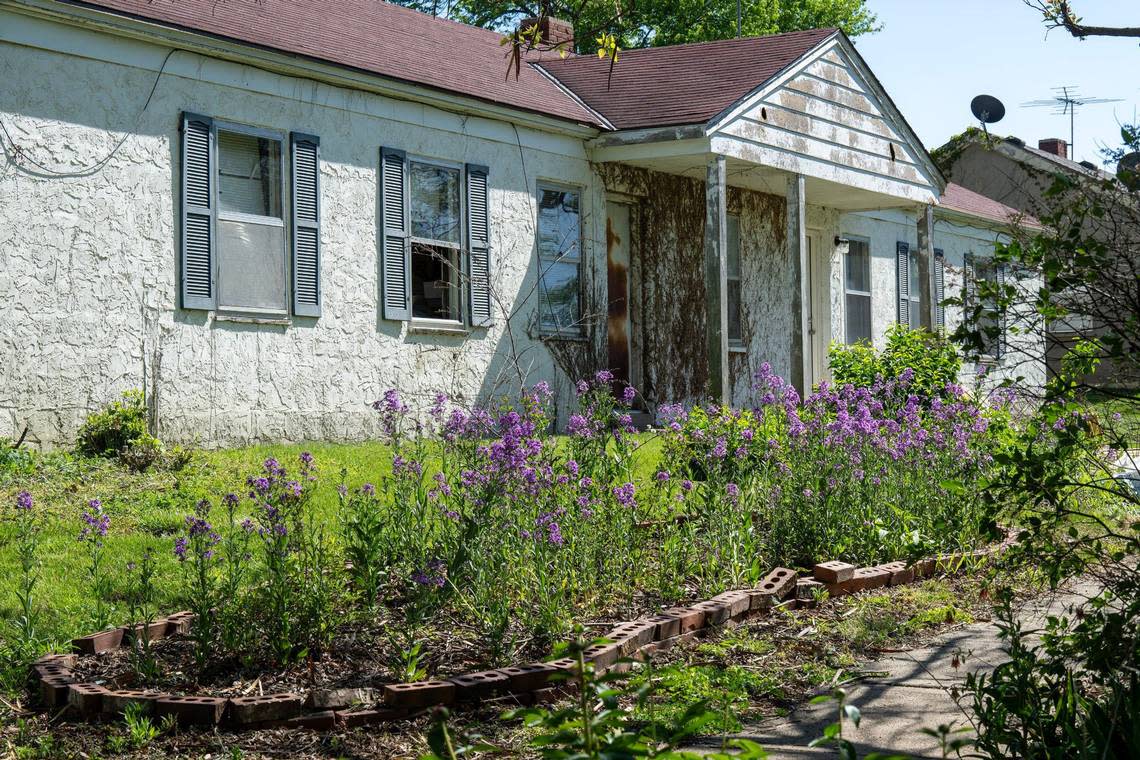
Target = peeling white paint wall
(88,263)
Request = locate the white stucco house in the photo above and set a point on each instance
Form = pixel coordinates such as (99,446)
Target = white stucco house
(263,213)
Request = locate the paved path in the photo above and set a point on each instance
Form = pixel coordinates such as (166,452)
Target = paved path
(903,693)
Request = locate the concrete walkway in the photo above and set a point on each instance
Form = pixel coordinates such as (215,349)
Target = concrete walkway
(903,693)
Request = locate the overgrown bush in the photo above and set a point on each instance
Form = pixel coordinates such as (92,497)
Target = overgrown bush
(115,427)
(931,361)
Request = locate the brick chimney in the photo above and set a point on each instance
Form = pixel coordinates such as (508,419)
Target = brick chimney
(1054,145)
(554,31)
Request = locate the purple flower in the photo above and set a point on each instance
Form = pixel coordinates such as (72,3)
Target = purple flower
(181,544)
(368,489)
(433,574)
(625,494)
(96,522)
(24,501)
(733,492)
(662,476)
(686,485)
(603,377)
(628,394)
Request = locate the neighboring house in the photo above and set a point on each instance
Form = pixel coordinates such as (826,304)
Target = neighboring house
(1019,175)
(266,213)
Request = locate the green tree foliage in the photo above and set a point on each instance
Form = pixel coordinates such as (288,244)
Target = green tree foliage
(647,23)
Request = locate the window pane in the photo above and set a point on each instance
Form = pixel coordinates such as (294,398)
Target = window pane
(249,174)
(859,266)
(733,242)
(735,326)
(435,202)
(434,280)
(915,313)
(251,266)
(559,228)
(858,318)
(915,276)
(559,296)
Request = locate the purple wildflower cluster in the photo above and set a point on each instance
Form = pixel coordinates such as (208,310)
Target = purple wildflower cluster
(24,501)
(433,574)
(96,522)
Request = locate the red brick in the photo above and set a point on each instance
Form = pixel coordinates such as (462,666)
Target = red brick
(781,582)
(86,698)
(115,701)
(739,602)
(180,623)
(833,571)
(48,670)
(260,709)
(870,577)
(94,643)
(65,661)
(154,631)
(903,576)
(325,720)
(537,675)
(340,699)
(924,568)
(666,626)
(192,711)
(602,655)
(760,600)
(54,690)
(479,685)
(806,589)
(692,619)
(419,694)
(633,636)
(716,612)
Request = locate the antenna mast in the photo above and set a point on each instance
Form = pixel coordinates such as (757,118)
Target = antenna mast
(1066,101)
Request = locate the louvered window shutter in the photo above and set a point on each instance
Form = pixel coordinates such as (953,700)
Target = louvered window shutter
(198,289)
(939,289)
(1002,324)
(396,257)
(306,233)
(479,245)
(902,253)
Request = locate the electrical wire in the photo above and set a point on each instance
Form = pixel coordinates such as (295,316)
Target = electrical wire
(17,155)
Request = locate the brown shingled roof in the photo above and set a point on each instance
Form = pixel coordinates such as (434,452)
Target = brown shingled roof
(957,198)
(372,36)
(680,84)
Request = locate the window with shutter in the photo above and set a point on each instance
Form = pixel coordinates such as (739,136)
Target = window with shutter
(198,246)
(857,291)
(732,276)
(909,284)
(939,289)
(396,252)
(306,231)
(478,245)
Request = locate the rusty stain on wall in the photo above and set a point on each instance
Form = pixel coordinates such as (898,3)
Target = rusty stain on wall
(617,323)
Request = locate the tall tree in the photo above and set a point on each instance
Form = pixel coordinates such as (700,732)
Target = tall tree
(645,23)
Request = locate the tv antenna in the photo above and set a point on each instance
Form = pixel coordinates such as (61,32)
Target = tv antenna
(988,110)
(1066,101)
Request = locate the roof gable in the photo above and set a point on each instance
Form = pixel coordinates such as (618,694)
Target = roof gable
(828,116)
(372,36)
(680,84)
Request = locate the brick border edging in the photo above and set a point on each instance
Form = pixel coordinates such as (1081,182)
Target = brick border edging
(534,683)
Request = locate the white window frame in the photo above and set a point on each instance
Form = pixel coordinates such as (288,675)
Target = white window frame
(982,268)
(735,344)
(454,280)
(862,293)
(574,331)
(271,221)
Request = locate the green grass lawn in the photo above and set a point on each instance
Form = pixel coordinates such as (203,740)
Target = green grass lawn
(148,510)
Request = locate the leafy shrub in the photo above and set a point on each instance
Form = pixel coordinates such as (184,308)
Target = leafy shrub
(114,427)
(933,362)
(141,453)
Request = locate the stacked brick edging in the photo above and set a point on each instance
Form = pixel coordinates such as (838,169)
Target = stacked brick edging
(533,683)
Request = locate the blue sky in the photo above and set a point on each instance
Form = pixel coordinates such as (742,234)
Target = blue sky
(933,56)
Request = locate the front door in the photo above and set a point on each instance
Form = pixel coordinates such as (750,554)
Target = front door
(617,269)
(819,316)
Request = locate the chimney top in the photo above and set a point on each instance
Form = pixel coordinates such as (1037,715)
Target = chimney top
(553,31)
(1054,145)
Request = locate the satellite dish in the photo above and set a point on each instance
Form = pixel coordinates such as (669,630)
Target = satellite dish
(1128,169)
(987,109)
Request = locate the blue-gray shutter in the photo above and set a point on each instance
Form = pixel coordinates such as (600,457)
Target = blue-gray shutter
(939,288)
(306,233)
(478,245)
(396,252)
(198,265)
(902,253)
(1001,275)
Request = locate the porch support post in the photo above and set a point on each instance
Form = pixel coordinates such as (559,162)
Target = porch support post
(926,268)
(716,279)
(800,353)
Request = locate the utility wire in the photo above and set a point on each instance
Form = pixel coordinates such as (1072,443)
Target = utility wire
(16,155)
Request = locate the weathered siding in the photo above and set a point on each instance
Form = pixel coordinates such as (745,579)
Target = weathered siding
(825,120)
(88,260)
